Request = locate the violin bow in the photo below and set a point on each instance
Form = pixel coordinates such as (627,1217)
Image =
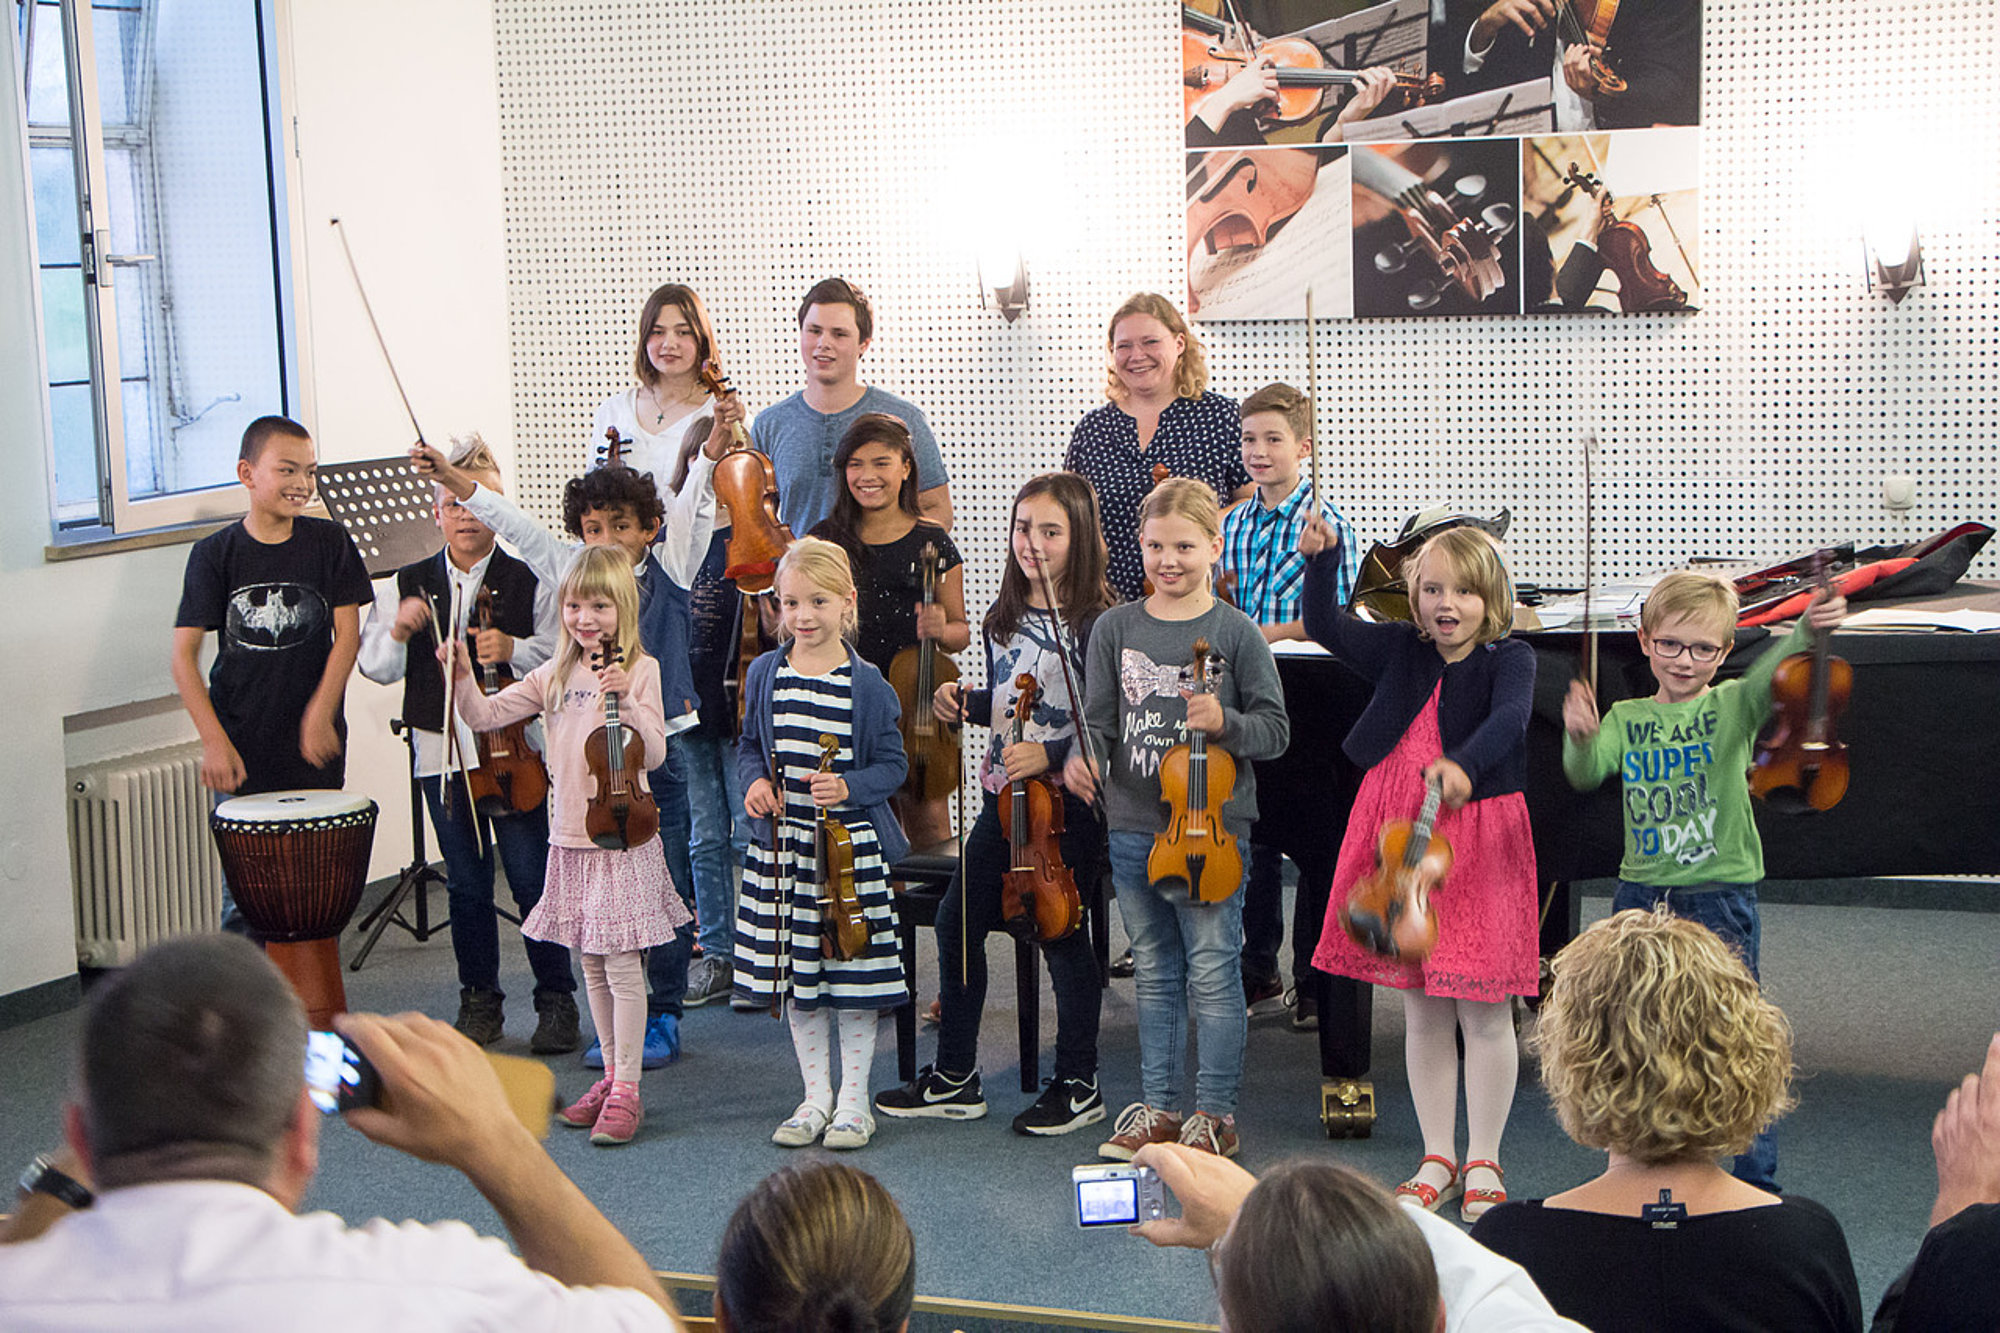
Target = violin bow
(1587,659)
(446,620)
(1312,405)
(369,311)
(781,853)
(1064,651)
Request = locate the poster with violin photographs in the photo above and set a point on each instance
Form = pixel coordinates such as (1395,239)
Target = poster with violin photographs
(1414,157)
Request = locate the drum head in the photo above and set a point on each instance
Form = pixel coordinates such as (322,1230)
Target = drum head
(275,807)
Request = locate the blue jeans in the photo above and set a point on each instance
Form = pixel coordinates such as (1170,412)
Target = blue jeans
(522,841)
(1730,910)
(667,964)
(721,836)
(1187,955)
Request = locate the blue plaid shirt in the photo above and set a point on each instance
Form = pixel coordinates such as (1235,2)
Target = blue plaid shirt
(1261,548)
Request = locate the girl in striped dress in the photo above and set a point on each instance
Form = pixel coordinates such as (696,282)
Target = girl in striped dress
(813,688)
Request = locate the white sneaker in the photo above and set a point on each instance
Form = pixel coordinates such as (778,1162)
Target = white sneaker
(850,1130)
(802,1128)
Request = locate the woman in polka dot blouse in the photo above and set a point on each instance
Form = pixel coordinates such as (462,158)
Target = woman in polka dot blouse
(1160,414)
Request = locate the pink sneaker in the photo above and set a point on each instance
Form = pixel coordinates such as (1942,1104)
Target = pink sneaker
(619,1120)
(582,1113)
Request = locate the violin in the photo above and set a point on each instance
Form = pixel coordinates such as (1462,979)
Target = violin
(621,813)
(915,673)
(1195,783)
(747,486)
(1800,764)
(842,926)
(1455,251)
(1037,892)
(1389,911)
(1237,198)
(1304,76)
(510,777)
(1594,32)
(1628,252)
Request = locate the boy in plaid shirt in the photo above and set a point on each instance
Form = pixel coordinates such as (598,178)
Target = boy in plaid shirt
(1260,540)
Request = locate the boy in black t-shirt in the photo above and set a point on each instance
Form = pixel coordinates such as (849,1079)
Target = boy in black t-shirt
(284,594)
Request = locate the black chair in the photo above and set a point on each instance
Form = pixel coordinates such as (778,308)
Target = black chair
(920,880)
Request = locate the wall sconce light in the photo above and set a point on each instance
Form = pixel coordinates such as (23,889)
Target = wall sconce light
(1009,297)
(1895,258)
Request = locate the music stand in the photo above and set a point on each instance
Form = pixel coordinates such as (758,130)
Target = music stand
(386,508)
(1518,109)
(417,876)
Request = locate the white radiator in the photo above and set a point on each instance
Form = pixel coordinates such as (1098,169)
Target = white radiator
(143,863)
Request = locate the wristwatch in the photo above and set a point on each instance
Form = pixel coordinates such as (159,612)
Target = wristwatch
(45,1177)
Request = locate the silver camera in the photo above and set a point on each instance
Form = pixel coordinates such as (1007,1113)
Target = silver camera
(1117,1196)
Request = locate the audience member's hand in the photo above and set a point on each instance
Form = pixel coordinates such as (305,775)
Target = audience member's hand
(1210,1189)
(1966,1139)
(441,1100)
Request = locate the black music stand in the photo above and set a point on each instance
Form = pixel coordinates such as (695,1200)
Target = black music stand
(386,508)
(417,876)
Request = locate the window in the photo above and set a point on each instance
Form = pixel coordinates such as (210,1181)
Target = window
(162,237)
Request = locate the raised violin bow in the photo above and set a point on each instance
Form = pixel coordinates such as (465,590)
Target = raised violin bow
(369,311)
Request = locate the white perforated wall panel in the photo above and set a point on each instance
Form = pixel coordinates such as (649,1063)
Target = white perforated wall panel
(750,149)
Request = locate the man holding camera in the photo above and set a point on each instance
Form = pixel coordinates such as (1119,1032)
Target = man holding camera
(192,1118)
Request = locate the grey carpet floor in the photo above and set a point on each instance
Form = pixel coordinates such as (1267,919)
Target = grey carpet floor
(1890,1008)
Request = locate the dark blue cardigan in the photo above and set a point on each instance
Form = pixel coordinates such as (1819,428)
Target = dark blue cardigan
(1483,704)
(879,762)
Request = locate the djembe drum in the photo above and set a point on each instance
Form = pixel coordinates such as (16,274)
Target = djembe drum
(296,862)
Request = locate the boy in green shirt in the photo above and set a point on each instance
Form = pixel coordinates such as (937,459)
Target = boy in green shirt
(1684,757)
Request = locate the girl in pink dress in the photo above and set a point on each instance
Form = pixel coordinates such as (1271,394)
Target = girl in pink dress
(607,904)
(1450,704)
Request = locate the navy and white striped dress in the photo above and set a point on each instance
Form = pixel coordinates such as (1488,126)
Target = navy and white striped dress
(804,708)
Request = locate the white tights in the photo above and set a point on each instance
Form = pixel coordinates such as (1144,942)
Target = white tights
(616,986)
(1492,1066)
(811,1033)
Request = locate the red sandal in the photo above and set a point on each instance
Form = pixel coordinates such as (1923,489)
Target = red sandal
(1425,1195)
(1478,1202)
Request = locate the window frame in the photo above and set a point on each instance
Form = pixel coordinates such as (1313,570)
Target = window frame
(119,513)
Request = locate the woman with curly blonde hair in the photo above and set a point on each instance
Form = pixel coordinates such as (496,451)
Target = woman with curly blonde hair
(1658,1048)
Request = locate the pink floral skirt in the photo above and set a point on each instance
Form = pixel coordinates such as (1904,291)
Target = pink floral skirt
(606,902)
(1488,939)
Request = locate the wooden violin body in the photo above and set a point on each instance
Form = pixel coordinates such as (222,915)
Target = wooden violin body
(1037,892)
(1196,780)
(915,673)
(843,928)
(1800,764)
(1235,199)
(1628,252)
(510,778)
(1303,78)
(747,486)
(621,813)
(1388,912)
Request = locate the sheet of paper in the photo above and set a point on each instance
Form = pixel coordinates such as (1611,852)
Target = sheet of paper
(1916,617)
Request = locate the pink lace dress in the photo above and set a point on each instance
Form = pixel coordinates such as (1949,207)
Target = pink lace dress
(1487,937)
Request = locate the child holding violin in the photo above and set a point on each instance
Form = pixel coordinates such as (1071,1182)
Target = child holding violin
(606,903)
(1683,754)
(620,508)
(1450,703)
(876,519)
(518,633)
(820,747)
(1055,546)
(1139,709)
(1260,550)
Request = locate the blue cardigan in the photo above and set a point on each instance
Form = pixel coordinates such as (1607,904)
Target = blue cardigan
(1483,704)
(878,748)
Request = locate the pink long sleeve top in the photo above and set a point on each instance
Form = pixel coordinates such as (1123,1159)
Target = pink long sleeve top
(580,713)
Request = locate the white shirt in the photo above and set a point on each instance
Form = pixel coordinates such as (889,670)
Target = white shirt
(384,661)
(1483,1292)
(215,1257)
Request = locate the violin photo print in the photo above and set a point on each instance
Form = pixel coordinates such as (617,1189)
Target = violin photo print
(1272,89)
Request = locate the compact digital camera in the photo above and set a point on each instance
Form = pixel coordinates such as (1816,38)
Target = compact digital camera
(1117,1196)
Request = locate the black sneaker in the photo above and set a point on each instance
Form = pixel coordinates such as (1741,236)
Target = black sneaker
(1263,997)
(934,1093)
(479,1016)
(1122,966)
(556,1031)
(1066,1104)
(1305,1013)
